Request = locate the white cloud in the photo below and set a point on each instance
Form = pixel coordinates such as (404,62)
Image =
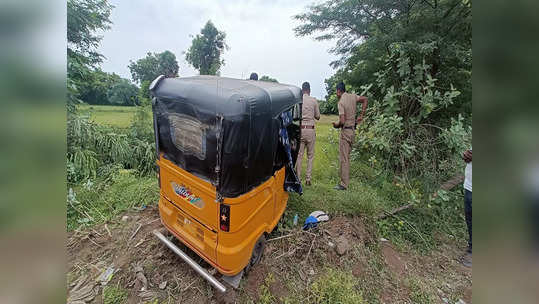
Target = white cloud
(259,33)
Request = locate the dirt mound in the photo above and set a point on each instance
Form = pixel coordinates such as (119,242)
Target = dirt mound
(393,260)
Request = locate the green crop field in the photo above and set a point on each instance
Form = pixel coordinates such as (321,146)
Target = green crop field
(116,116)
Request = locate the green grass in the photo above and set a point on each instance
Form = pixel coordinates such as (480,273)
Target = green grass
(373,190)
(116,116)
(364,195)
(100,200)
(335,287)
(114,295)
(418,294)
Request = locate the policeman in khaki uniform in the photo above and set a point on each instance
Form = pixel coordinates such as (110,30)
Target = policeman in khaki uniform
(347,123)
(310,112)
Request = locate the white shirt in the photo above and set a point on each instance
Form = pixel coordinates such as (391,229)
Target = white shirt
(468,176)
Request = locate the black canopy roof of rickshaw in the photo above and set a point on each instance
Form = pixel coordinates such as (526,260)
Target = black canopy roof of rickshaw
(225,96)
(240,123)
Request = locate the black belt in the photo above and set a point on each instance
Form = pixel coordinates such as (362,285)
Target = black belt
(350,128)
(307,127)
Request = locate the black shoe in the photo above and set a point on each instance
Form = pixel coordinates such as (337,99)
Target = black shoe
(339,187)
(308,183)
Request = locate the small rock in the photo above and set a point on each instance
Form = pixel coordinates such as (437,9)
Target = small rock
(140,276)
(311,271)
(342,245)
(384,240)
(439,291)
(125,218)
(163,285)
(445,300)
(330,244)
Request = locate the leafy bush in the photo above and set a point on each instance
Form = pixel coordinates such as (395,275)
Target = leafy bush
(329,106)
(408,128)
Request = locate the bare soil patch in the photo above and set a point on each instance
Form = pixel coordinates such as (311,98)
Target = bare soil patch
(393,259)
(255,279)
(294,261)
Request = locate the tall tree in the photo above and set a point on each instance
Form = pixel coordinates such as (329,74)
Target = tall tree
(153,65)
(84,19)
(206,50)
(365,31)
(94,88)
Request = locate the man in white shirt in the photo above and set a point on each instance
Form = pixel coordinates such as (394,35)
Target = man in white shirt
(467,156)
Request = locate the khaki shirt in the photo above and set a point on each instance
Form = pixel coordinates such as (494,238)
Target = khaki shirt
(310,110)
(347,106)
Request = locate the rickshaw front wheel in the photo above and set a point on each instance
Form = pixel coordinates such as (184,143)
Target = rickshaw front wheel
(256,256)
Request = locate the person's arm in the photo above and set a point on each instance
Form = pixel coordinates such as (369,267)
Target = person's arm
(340,123)
(364,100)
(316,111)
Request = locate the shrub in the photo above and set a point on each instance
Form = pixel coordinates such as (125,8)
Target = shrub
(411,128)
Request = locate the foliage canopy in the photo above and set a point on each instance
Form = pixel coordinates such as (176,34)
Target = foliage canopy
(153,65)
(267,78)
(206,50)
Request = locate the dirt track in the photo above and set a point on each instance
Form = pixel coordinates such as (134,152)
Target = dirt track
(289,266)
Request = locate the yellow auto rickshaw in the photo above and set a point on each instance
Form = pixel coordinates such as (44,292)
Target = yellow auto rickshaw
(226,150)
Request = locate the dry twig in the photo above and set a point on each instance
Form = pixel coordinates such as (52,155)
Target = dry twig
(135,232)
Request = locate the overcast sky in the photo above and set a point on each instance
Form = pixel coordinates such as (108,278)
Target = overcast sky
(259,33)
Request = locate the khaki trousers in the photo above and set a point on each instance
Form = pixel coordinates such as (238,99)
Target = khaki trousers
(345,147)
(308,138)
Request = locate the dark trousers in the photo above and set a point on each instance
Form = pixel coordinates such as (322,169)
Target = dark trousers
(468,214)
(534,219)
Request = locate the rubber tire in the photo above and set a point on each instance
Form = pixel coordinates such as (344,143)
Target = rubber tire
(256,255)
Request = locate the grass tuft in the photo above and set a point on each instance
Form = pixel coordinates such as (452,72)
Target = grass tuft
(114,295)
(336,287)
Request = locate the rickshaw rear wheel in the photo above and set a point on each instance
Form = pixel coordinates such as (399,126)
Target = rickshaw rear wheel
(258,251)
